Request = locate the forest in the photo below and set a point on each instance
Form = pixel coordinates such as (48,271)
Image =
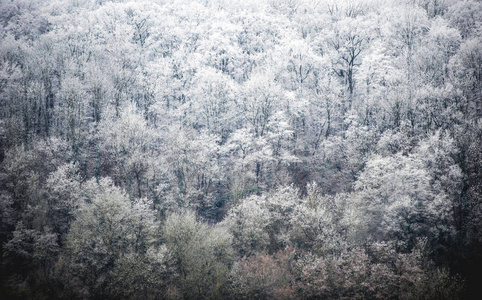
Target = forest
(240,149)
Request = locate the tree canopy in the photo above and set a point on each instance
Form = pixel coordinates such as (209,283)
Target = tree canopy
(269,149)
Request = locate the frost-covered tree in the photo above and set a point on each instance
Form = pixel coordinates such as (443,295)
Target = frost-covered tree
(113,240)
(393,199)
(200,255)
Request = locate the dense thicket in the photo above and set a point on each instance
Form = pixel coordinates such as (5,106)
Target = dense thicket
(269,149)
